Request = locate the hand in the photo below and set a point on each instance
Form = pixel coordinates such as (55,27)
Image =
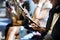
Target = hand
(37,21)
(34,26)
(40,29)
(25,11)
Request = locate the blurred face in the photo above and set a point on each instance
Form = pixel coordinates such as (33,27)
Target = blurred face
(20,0)
(9,10)
(36,1)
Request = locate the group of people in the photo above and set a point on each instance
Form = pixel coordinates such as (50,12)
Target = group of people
(38,18)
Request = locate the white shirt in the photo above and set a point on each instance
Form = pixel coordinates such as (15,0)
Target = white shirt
(40,13)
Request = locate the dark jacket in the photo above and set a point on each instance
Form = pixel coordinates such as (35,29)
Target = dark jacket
(56,30)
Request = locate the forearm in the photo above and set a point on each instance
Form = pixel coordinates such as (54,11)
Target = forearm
(41,29)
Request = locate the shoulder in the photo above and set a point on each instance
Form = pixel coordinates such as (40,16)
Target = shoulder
(48,5)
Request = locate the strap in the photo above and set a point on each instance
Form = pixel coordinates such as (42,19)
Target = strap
(55,18)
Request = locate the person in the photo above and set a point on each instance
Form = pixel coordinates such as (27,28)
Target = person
(43,8)
(29,29)
(32,33)
(8,12)
(55,33)
(15,22)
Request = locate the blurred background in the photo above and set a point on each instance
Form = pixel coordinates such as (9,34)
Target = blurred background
(4,21)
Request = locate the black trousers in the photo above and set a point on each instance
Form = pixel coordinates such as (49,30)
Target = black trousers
(7,28)
(37,37)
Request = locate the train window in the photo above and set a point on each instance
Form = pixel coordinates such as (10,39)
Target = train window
(2,8)
(2,12)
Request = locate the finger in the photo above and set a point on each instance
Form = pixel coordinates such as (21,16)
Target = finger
(32,24)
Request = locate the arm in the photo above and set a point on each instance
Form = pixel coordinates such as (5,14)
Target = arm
(40,29)
(16,22)
(11,33)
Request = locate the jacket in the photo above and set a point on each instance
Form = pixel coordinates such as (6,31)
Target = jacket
(56,29)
